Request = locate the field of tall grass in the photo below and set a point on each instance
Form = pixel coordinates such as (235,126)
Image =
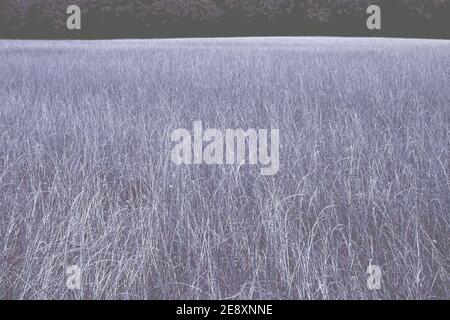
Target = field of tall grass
(86,177)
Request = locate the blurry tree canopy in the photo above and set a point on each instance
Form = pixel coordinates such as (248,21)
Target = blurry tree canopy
(154,18)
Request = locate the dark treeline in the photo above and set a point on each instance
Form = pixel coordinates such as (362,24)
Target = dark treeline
(178,18)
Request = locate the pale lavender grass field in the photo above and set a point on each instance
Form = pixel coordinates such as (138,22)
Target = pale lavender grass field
(86,176)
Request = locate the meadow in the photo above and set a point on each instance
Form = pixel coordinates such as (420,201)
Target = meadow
(86,177)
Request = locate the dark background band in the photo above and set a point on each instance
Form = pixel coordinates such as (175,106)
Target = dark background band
(208,18)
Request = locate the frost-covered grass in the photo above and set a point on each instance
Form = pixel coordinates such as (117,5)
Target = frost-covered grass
(86,176)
